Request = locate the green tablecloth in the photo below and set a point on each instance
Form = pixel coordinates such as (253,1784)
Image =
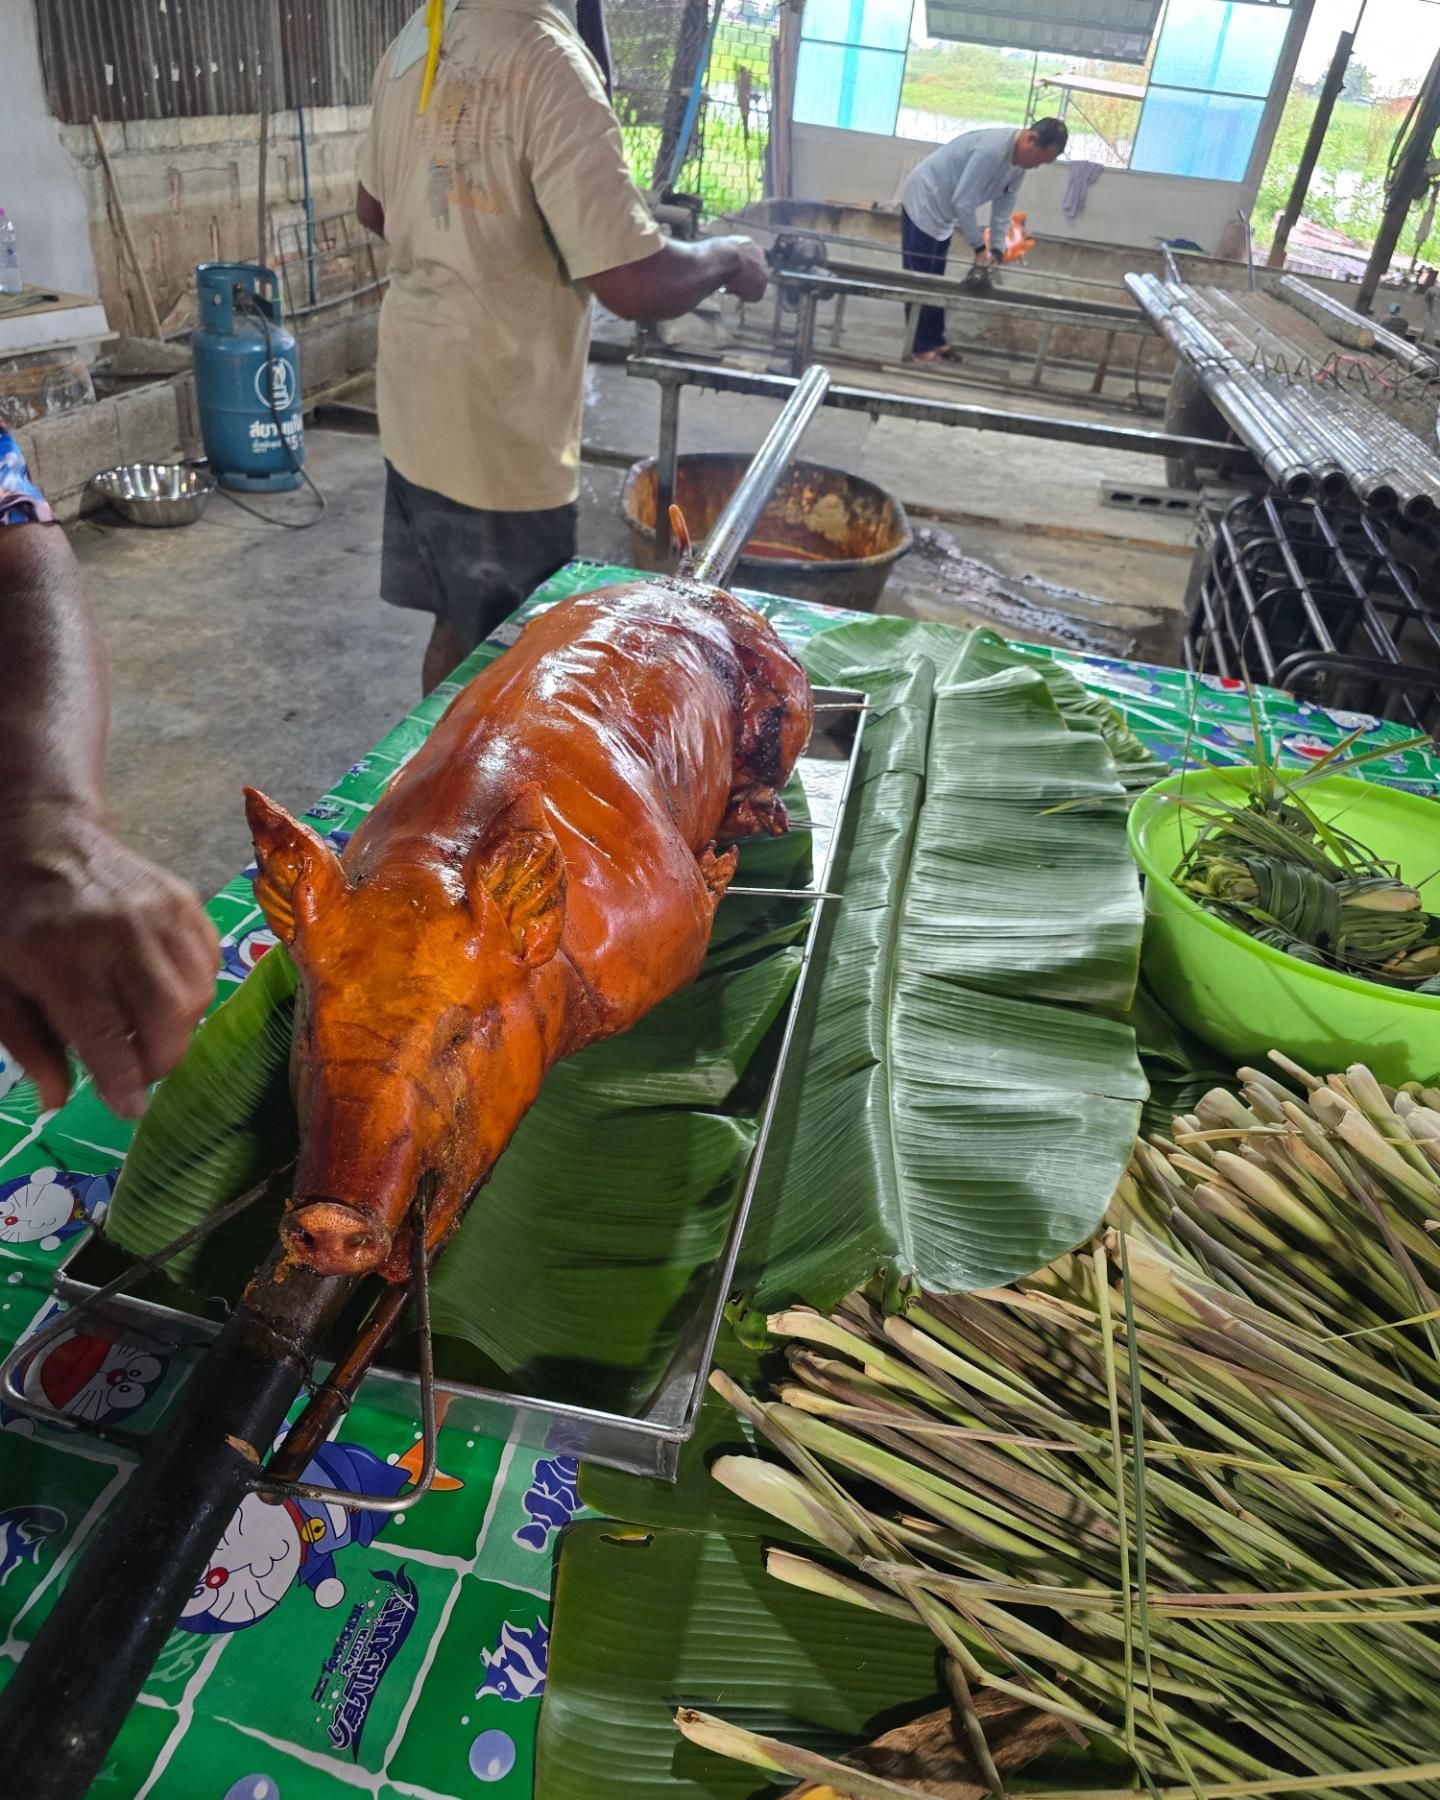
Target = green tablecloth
(347,1653)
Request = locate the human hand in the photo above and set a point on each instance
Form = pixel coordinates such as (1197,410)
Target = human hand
(99,950)
(752,277)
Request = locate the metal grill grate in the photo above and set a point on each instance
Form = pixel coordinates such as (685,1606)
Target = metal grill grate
(1303,597)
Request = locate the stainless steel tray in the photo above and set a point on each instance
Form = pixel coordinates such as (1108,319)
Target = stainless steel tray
(649,1441)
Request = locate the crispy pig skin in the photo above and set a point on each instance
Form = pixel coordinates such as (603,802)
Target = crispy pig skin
(538,876)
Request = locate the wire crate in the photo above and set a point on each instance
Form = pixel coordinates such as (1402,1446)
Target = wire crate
(1313,599)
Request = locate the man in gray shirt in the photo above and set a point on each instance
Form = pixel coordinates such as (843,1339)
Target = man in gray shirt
(944,196)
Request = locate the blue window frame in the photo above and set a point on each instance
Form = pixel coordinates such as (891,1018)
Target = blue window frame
(1214,66)
(851,65)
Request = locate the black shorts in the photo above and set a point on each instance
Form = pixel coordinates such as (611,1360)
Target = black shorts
(469,567)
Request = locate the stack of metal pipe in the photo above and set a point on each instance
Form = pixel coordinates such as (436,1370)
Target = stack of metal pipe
(1308,436)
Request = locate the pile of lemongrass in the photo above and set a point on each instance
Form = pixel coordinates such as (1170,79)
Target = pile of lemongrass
(1181,1489)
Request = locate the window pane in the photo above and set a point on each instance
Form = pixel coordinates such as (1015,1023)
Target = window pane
(877,24)
(1206,135)
(1223,45)
(859,90)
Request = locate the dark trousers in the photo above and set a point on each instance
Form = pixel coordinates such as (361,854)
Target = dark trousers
(924,255)
(469,567)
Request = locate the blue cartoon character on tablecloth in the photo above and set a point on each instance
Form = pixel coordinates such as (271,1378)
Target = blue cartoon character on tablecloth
(24,1532)
(551,1500)
(516,1668)
(267,1549)
(90,1374)
(49,1206)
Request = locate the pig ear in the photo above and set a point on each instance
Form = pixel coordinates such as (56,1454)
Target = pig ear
(299,874)
(522,868)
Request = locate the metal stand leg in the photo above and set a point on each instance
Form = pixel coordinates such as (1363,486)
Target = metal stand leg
(1046,333)
(838,324)
(665,465)
(804,334)
(1102,368)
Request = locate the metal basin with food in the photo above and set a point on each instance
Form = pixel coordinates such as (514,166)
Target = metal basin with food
(156,493)
(826,535)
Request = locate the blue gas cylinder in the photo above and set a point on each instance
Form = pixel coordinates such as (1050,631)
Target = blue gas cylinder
(247,379)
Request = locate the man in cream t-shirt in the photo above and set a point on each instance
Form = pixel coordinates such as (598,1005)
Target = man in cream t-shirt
(506,203)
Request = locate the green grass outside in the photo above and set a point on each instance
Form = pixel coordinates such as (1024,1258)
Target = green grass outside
(731,171)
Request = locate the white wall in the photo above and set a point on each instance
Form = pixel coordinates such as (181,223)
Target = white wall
(40,186)
(1123,206)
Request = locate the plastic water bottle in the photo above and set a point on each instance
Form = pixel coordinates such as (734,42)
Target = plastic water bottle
(11,280)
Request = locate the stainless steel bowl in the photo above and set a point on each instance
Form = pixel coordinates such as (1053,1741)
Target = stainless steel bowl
(156,493)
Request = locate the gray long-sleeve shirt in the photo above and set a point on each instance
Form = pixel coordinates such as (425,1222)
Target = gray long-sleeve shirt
(944,194)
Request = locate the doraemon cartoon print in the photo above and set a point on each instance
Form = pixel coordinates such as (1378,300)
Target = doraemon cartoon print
(49,1206)
(267,1549)
(91,1374)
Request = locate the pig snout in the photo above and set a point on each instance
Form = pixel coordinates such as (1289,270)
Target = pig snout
(334,1239)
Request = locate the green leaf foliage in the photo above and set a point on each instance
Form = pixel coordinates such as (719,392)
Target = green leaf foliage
(959,1115)
(646,1621)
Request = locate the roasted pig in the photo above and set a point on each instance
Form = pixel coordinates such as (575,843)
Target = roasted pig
(538,876)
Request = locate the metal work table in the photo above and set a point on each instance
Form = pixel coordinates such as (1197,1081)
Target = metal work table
(674,376)
(855,281)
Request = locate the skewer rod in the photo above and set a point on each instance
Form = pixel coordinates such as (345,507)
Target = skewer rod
(733,529)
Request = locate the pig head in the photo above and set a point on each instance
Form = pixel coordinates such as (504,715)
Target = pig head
(430,1005)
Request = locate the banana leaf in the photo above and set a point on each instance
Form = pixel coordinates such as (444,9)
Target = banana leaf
(957,1116)
(878,640)
(646,1621)
(219,1125)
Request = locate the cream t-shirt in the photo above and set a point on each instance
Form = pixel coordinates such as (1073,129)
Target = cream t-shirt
(506,195)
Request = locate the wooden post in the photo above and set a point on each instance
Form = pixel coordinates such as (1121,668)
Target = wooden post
(152,317)
(1310,155)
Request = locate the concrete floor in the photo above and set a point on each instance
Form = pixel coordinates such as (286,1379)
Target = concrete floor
(246,653)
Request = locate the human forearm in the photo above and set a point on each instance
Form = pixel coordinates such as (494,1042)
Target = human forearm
(54,724)
(678,277)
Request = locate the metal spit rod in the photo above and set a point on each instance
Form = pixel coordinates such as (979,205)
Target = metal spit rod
(1299,436)
(1346,327)
(1388,467)
(736,524)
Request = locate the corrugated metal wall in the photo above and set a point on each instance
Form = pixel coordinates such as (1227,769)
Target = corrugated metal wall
(170,59)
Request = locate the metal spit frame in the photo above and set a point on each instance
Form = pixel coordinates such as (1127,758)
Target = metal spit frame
(811,286)
(675,374)
(81,1675)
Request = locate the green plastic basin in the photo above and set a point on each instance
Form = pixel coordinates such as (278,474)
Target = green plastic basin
(1245,998)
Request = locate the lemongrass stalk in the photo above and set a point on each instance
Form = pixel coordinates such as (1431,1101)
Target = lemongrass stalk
(870,1532)
(814,1328)
(784,1496)
(1401,1500)
(1368,1095)
(1112,1396)
(1277,1784)
(1257,1184)
(749,1747)
(947,1502)
(1137,1438)
(817,1578)
(920,1348)
(1306,1080)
